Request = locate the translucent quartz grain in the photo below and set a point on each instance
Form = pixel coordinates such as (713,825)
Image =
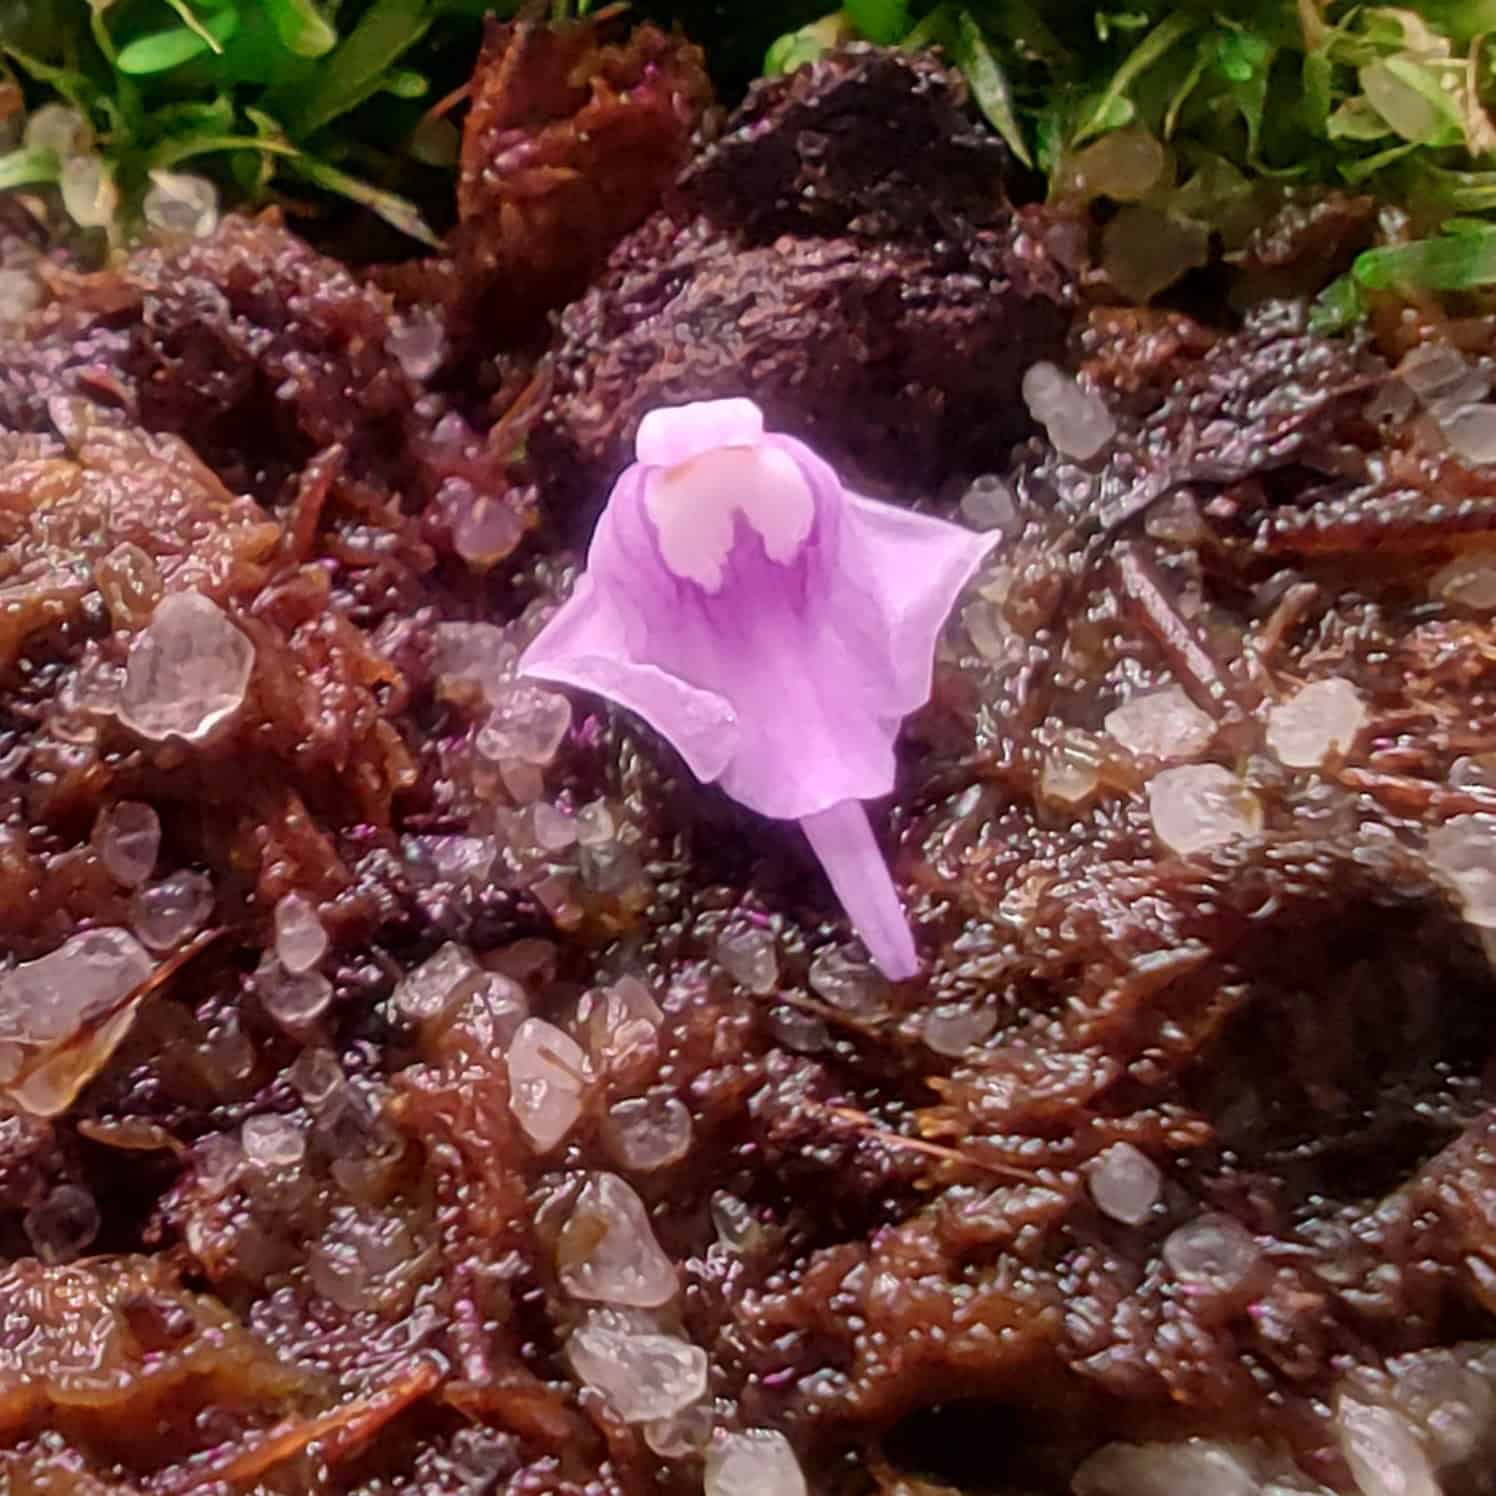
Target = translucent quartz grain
(1469,581)
(646,1133)
(953,1028)
(1076,417)
(272,1142)
(758,1462)
(292,998)
(607,1251)
(1323,718)
(1162,724)
(1199,806)
(1125,1184)
(1213,1254)
(187,672)
(750,956)
(1191,1467)
(1383,1451)
(1463,850)
(128,838)
(169,913)
(853,986)
(181,203)
(548,1075)
(644,1375)
(437,983)
(528,724)
(300,939)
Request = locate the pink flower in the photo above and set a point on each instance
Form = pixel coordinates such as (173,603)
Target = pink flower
(774,626)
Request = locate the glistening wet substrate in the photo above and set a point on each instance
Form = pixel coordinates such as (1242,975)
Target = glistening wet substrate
(415,1082)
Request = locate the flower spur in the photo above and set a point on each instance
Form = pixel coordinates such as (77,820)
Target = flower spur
(774,626)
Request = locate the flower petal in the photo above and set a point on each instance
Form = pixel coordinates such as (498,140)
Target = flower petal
(908,570)
(841,837)
(588,645)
